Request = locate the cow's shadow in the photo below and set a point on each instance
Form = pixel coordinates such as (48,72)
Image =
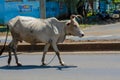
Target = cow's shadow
(26,67)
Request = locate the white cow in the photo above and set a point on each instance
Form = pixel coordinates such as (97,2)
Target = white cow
(49,31)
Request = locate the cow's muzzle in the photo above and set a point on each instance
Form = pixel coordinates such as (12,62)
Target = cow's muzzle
(82,35)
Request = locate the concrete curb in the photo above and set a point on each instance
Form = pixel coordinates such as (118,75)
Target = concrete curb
(85,46)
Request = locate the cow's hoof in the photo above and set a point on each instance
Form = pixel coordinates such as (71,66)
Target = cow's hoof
(8,65)
(18,64)
(43,64)
(62,64)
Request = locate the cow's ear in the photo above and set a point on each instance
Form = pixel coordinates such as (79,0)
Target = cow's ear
(68,24)
(72,17)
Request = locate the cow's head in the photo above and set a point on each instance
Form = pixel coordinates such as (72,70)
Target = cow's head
(73,26)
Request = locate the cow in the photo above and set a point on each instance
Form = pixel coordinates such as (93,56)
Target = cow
(50,31)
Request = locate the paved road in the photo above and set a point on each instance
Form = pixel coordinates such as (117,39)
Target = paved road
(80,67)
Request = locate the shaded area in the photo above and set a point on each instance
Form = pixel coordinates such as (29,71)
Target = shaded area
(26,67)
(114,46)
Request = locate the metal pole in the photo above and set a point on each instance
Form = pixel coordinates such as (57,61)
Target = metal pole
(43,9)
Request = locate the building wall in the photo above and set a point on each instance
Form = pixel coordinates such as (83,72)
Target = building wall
(24,8)
(1,11)
(10,9)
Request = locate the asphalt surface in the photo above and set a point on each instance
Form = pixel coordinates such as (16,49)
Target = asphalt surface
(93,66)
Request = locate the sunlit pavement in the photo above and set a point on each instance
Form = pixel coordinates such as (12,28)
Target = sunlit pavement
(93,65)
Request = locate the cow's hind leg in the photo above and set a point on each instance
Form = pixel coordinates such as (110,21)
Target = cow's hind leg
(15,55)
(13,48)
(57,53)
(9,54)
(44,53)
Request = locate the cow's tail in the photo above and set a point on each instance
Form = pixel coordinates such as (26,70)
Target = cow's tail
(3,48)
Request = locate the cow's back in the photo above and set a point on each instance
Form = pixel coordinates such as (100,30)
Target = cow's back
(33,30)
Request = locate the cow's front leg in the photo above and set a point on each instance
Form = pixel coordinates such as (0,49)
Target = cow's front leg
(45,52)
(43,58)
(57,53)
(60,60)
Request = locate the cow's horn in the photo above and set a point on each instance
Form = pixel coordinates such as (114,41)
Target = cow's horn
(81,18)
(72,16)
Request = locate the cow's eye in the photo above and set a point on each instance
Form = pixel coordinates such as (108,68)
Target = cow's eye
(74,25)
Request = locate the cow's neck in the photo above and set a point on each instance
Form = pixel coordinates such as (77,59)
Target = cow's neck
(63,31)
(66,28)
